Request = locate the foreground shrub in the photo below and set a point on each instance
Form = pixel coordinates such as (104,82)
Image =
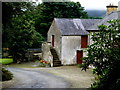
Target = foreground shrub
(6,75)
(104,55)
(80,65)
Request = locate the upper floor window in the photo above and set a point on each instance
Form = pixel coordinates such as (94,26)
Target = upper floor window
(53,40)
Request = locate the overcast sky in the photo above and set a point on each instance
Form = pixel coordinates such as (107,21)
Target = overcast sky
(95,4)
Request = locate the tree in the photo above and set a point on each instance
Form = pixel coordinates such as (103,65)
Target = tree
(11,10)
(37,40)
(19,32)
(47,11)
(104,55)
(23,37)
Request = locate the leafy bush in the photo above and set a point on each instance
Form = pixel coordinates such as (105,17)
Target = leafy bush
(104,55)
(80,65)
(6,75)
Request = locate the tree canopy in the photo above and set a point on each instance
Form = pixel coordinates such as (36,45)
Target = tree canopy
(12,9)
(10,12)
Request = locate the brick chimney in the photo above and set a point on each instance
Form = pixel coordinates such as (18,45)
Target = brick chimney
(111,8)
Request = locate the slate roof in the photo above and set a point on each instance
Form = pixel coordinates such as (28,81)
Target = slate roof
(111,16)
(89,22)
(74,26)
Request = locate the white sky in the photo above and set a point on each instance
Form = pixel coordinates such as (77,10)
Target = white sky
(96,4)
(93,4)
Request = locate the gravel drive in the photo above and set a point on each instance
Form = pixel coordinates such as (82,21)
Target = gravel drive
(53,77)
(26,78)
(73,74)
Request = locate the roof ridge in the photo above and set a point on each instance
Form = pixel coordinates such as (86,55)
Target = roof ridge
(67,18)
(76,18)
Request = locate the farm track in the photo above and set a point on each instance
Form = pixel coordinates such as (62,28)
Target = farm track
(35,79)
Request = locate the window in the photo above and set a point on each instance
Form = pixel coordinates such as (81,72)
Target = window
(53,40)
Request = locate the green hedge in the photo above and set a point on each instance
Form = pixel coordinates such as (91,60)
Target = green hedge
(6,60)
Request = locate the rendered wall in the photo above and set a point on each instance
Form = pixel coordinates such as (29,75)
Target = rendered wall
(119,10)
(70,45)
(90,41)
(119,6)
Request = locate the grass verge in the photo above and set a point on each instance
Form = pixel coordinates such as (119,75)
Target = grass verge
(6,60)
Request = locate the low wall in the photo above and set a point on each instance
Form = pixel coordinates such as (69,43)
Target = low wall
(46,54)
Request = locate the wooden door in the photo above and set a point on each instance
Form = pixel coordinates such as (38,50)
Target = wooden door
(53,40)
(79,57)
(84,41)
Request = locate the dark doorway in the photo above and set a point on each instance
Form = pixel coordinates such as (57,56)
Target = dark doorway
(79,57)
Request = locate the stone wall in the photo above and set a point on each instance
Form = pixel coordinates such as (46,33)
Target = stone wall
(54,30)
(46,54)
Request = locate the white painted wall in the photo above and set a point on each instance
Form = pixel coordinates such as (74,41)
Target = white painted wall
(119,10)
(70,45)
(90,41)
(119,6)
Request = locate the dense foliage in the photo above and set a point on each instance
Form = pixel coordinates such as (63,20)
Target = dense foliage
(10,11)
(104,55)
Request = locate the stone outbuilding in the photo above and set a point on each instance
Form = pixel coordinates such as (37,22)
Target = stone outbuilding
(68,38)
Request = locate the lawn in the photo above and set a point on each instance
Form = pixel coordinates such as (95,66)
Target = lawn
(25,65)
(6,60)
